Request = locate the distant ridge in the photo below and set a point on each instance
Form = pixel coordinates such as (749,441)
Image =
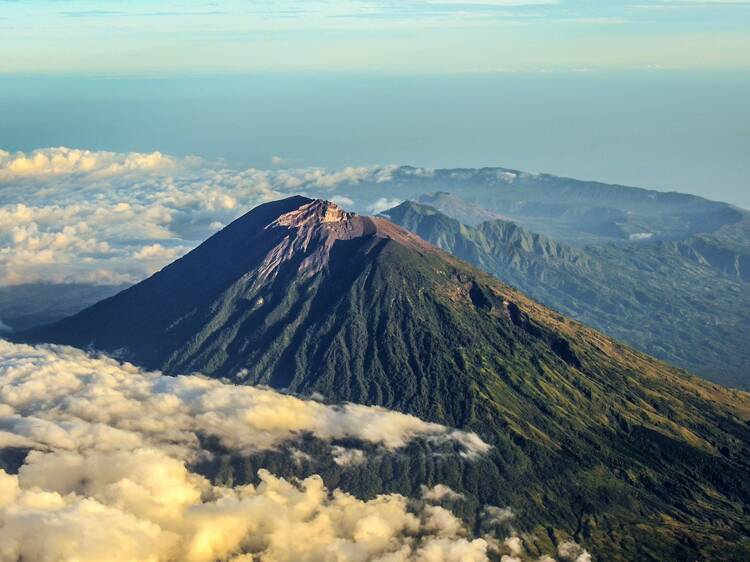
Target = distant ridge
(687,302)
(574,211)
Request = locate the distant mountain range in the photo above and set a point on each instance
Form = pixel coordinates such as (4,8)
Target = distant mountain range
(633,458)
(684,301)
(574,211)
(665,272)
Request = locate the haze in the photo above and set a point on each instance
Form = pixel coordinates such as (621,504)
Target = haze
(653,94)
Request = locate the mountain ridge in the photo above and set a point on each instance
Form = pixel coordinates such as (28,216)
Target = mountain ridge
(577,212)
(591,439)
(676,300)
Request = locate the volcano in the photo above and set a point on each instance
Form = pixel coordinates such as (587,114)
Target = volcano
(634,459)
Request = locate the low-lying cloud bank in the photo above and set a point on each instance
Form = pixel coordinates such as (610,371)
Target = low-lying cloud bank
(62,161)
(107,475)
(69,215)
(145,505)
(60,398)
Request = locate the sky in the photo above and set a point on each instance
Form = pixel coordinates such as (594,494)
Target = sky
(422,36)
(651,94)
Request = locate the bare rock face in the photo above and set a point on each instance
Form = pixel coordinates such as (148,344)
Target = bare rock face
(327,220)
(314,228)
(313,214)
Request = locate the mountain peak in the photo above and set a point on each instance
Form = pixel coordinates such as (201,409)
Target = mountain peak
(325,221)
(299,295)
(313,213)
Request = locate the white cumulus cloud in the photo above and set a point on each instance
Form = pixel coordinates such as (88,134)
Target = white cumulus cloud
(62,161)
(108,472)
(57,397)
(69,215)
(383,204)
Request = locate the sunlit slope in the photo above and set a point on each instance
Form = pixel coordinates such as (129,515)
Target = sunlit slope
(687,302)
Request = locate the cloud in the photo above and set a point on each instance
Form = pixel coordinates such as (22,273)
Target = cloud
(159,252)
(158,255)
(383,204)
(494,517)
(69,215)
(343,201)
(439,493)
(63,161)
(62,398)
(107,475)
(147,507)
(569,551)
(346,457)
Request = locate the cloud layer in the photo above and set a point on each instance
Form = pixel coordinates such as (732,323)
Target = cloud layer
(107,450)
(146,506)
(70,215)
(107,473)
(63,161)
(60,398)
(425,36)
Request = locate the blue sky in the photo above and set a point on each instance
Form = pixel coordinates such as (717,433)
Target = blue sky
(644,92)
(425,36)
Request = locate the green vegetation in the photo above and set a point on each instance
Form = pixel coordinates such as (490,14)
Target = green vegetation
(686,302)
(634,459)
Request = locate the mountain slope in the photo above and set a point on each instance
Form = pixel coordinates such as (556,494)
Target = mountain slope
(457,208)
(635,460)
(687,302)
